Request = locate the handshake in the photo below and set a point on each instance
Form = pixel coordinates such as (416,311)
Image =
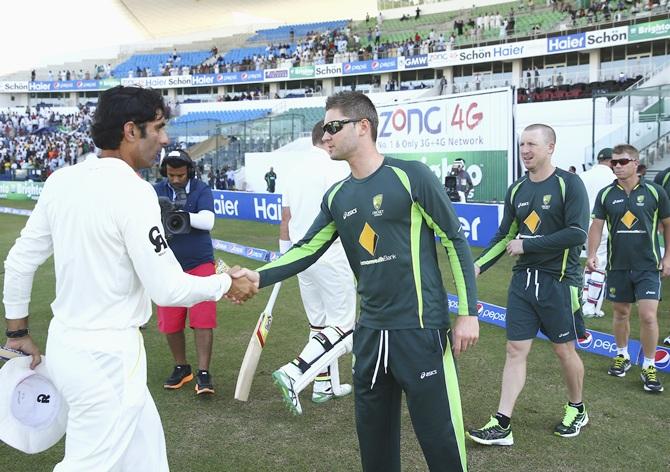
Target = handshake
(244,282)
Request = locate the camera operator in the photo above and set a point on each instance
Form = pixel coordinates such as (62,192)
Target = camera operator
(463,180)
(193,249)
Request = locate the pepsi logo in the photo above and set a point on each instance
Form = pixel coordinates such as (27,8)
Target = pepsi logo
(79,83)
(375,65)
(56,85)
(250,252)
(219,77)
(586,341)
(662,358)
(347,67)
(245,76)
(480,308)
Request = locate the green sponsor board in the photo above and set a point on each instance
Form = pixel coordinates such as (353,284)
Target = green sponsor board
(303,72)
(487,169)
(10,189)
(651,30)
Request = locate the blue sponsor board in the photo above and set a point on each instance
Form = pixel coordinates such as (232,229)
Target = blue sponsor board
(264,207)
(479,222)
(594,342)
(65,85)
(202,80)
(416,62)
(566,43)
(366,67)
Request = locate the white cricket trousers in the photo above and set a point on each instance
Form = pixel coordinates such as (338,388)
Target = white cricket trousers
(328,290)
(113,424)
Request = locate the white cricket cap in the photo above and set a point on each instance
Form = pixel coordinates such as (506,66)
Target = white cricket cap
(33,415)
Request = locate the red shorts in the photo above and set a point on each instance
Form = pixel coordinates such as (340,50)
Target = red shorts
(202,315)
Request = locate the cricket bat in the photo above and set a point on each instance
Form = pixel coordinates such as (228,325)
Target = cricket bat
(7,354)
(256,344)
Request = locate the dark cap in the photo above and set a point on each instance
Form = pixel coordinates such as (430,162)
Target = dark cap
(178,158)
(604,154)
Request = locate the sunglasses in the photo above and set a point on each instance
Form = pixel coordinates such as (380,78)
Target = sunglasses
(621,162)
(335,126)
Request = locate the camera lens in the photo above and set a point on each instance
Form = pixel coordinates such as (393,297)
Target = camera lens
(175,223)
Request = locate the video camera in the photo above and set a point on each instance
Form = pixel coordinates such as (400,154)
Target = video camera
(450,186)
(175,219)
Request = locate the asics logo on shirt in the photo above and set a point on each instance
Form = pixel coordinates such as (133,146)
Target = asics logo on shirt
(617,201)
(349,213)
(156,238)
(523,204)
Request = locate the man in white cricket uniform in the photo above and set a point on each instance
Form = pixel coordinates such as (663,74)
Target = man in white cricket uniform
(102,223)
(595,179)
(327,287)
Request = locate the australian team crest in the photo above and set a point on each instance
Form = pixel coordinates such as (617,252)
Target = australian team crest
(640,200)
(546,200)
(377,204)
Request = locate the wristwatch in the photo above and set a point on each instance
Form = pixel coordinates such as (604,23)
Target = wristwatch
(19,333)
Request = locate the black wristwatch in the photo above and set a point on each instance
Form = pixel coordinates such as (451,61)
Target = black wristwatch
(19,333)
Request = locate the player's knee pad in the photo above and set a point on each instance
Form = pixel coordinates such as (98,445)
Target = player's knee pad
(323,349)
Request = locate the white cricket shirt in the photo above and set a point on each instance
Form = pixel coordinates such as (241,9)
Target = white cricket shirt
(102,223)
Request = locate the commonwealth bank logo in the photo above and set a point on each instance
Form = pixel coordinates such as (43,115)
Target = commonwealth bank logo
(368,239)
(628,219)
(532,221)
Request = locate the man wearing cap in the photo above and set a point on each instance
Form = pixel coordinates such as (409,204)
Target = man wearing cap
(102,224)
(596,178)
(632,209)
(463,180)
(194,252)
(663,179)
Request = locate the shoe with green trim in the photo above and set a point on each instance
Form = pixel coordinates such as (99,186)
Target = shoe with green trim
(492,434)
(290,397)
(650,380)
(573,422)
(619,367)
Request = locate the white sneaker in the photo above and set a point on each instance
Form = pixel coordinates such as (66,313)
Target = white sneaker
(283,379)
(323,391)
(589,311)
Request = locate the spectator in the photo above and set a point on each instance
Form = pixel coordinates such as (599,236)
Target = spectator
(270,180)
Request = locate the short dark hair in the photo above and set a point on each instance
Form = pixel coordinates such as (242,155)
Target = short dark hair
(317,133)
(547,131)
(119,105)
(355,105)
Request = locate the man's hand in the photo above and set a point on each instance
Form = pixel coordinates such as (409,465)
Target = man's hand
(515,247)
(665,266)
(465,333)
(592,263)
(27,346)
(478,270)
(244,285)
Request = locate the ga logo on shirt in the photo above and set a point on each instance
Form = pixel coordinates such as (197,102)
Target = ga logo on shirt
(156,238)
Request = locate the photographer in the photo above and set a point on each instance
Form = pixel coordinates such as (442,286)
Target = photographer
(463,180)
(188,222)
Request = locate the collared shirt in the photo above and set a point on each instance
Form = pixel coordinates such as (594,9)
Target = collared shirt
(102,224)
(632,220)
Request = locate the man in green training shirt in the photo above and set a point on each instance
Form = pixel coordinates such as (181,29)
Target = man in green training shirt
(633,208)
(663,179)
(386,214)
(546,216)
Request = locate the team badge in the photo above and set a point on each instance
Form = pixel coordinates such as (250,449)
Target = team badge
(377,204)
(545,202)
(640,200)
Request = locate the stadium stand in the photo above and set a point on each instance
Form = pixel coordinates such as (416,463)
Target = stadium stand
(222,116)
(158,64)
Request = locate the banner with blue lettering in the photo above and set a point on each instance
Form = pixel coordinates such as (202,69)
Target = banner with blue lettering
(263,207)
(479,222)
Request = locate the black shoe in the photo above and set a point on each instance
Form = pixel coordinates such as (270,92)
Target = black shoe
(650,380)
(181,375)
(620,365)
(492,434)
(203,383)
(573,422)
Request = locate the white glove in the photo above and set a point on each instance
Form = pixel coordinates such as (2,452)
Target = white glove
(284,246)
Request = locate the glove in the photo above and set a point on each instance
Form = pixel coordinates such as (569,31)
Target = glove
(284,246)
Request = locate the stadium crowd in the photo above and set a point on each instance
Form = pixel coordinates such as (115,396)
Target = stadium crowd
(42,140)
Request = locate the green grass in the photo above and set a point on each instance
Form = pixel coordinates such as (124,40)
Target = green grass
(628,428)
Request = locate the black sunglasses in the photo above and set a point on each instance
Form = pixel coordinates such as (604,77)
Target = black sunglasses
(335,126)
(621,162)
